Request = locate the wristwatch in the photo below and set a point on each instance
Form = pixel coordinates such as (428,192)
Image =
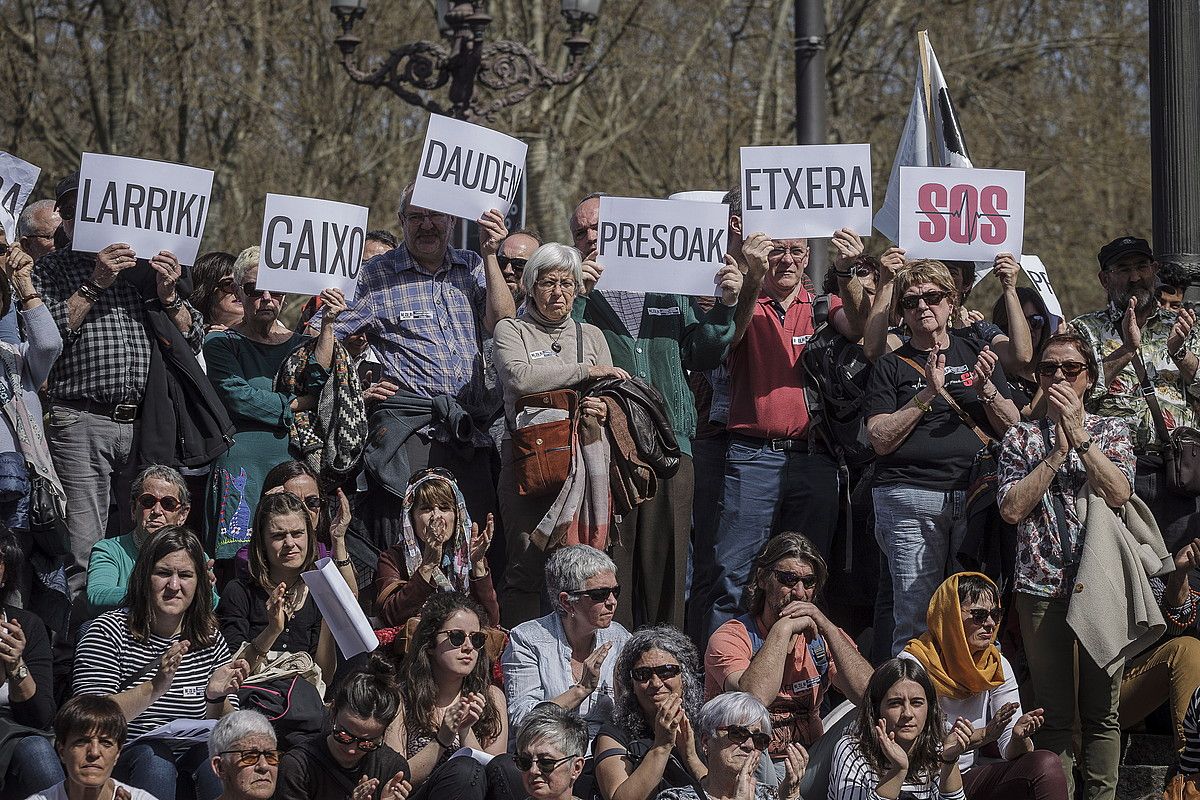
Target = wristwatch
(21,672)
(1082,447)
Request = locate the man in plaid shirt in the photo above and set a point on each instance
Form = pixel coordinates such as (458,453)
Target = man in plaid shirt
(97,385)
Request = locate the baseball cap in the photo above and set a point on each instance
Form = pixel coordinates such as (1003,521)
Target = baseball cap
(1123,245)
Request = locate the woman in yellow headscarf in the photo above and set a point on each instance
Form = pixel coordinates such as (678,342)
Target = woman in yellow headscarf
(975,682)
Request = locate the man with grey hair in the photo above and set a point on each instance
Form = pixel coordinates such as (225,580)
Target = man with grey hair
(244,756)
(36,228)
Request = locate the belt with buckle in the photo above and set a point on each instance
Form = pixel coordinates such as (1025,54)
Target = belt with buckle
(117,412)
(778,445)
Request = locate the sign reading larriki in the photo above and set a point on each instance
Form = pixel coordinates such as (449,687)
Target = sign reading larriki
(801,191)
(17,179)
(149,205)
(672,246)
(309,245)
(467,169)
(961,214)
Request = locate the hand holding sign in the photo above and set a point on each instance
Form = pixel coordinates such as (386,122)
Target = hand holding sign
(849,246)
(1006,268)
(333,305)
(110,262)
(492,232)
(166,265)
(729,281)
(757,251)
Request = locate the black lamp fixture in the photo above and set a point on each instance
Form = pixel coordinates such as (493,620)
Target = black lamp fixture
(510,70)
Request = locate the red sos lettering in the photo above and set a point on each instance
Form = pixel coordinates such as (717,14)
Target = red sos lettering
(962,213)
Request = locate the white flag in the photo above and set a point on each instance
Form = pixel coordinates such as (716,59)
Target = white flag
(932,136)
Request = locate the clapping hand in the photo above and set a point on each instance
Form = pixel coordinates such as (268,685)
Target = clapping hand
(893,752)
(397,788)
(935,370)
(1181,330)
(1029,723)
(999,722)
(747,783)
(227,679)
(795,764)
(481,540)
(984,367)
(12,644)
(590,677)
(168,664)
(1129,326)
(958,740)
(668,719)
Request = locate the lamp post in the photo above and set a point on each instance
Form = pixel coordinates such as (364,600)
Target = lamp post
(809,20)
(464,60)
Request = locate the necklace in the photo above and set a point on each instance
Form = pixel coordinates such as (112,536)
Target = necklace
(555,346)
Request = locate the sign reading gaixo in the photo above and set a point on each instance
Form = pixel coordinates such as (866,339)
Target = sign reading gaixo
(961,214)
(672,246)
(17,179)
(149,205)
(309,245)
(467,169)
(800,191)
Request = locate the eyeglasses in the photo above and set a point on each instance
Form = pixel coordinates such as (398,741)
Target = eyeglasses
(421,217)
(249,758)
(797,253)
(252,293)
(599,595)
(47,236)
(911,301)
(148,501)
(790,579)
(1070,369)
(227,285)
(567,285)
(980,615)
(342,736)
(456,638)
(664,672)
(312,502)
(739,734)
(525,762)
(1035,320)
(517,264)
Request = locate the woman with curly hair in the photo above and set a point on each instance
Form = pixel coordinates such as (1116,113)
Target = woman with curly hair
(897,749)
(651,744)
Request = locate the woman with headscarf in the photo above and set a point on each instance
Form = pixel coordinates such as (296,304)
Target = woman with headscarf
(976,683)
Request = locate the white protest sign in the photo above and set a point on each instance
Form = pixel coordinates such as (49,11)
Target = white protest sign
(17,179)
(309,245)
(467,169)
(802,191)
(961,214)
(702,195)
(1039,276)
(149,205)
(671,246)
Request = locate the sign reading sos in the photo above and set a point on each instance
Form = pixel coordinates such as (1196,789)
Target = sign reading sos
(961,214)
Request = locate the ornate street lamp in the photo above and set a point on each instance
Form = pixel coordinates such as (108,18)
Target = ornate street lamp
(509,69)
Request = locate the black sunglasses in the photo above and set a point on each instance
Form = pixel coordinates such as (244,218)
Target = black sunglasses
(790,579)
(251,292)
(599,595)
(66,210)
(312,502)
(518,264)
(1035,320)
(3,249)
(227,285)
(361,742)
(739,734)
(980,615)
(248,758)
(148,501)
(456,638)
(664,672)
(911,301)
(525,762)
(1070,369)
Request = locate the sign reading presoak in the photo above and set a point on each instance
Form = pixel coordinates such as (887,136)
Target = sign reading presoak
(309,245)
(801,191)
(671,246)
(149,205)
(467,169)
(17,179)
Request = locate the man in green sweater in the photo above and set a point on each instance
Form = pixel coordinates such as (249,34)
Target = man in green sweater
(656,337)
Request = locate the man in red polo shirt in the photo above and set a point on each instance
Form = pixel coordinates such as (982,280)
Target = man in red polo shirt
(775,477)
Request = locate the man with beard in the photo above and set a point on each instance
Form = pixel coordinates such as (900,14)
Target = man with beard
(1133,324)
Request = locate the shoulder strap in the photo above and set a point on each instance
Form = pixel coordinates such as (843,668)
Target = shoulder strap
(1160,424)
(756,641)
(1057,508)
(578,342)
(954,406)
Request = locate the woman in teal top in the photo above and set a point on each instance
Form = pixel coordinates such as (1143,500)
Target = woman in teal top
(242,362)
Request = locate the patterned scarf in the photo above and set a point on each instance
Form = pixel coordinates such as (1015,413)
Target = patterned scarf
(454,575)
(330,438)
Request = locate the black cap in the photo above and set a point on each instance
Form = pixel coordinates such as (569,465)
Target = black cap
(1121,246)
(66,186)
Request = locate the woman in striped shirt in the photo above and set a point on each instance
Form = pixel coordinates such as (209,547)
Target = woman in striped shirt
(163,660)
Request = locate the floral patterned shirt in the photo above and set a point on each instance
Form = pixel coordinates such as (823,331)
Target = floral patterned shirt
(1040,565)
(1122,397)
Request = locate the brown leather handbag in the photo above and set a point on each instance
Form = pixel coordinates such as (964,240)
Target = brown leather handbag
(542,452)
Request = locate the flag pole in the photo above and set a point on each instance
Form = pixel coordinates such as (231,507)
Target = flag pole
(930,135)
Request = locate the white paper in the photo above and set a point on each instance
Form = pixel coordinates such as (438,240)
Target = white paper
(806,191)
(309,245)
(466,169)
(149,205)
(670,246)
(961,214)
(700,195)
(181,730)
(17,179)
(470,752)
(340,609)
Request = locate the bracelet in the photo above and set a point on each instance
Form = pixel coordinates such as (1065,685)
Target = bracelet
(208,699)
(89,291)
(174,305)
(1048,466)
(989,399)
(925,407)
(1180,354)
(28,297)
(341,563)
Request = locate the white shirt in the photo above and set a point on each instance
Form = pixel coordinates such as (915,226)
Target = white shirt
(59,792)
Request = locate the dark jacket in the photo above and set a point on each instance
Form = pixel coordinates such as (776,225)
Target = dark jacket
(646,412)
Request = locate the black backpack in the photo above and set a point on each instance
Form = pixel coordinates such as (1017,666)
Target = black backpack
(837,372)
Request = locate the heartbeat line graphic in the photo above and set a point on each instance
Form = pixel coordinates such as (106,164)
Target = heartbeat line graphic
(962,211)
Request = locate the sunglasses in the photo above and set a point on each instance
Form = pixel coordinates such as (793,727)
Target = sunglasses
(312,502)
(1035,320)
(149,501)
(253,293)
(664,672)
(456,638)
(599,595)
(980,615)
(1070,369)
(738,735)
(911,301)
(342,736)
(525,762)
(3,249)
(249,758)
(517,264)
(790,579)
(227,285)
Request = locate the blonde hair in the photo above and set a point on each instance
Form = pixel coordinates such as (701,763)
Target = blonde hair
(925,270)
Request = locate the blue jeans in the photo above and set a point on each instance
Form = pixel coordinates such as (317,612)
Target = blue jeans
(150,764)
(34,767)
(708,460)
(766,491)
(912,526)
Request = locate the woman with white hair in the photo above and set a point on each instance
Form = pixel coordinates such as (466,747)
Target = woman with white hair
(735,729)
(567,656)
(542,351)
(245,756)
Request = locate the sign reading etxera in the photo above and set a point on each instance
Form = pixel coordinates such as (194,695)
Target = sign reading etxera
(801,191)
(672,246)
(149,205)
(467,169)
(309,245)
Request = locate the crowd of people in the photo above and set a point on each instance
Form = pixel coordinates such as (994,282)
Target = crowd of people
(853,541)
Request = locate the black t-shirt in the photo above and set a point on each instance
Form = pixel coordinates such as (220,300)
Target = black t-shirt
(309,772)
(676,775)
(242,615)
(938,452)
